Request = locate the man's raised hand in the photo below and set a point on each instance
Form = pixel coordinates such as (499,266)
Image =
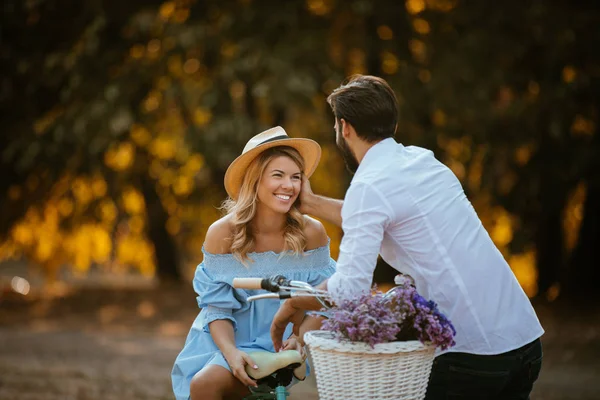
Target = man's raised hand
(305,196)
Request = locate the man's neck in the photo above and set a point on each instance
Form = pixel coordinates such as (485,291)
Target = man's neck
(361,147)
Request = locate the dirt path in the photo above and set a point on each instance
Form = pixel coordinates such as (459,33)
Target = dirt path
(116,345)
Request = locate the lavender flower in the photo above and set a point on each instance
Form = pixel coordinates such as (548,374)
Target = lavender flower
(368,319)
(400,314)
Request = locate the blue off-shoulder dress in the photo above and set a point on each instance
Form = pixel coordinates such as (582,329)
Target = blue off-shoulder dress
(251,320)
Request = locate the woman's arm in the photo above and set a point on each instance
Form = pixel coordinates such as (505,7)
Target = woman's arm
(222,333)
(221,330)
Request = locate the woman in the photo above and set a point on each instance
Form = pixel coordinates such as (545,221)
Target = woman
(263,234)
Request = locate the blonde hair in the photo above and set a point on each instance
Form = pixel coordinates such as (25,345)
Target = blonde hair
(243,210)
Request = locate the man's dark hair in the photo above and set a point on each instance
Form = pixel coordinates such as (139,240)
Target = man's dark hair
(369,104)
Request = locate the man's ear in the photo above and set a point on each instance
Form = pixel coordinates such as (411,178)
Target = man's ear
(346,128)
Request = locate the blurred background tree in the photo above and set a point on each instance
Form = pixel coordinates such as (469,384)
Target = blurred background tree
(120,119)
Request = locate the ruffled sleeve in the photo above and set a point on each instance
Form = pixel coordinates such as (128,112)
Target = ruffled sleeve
(216,296)
(325,266)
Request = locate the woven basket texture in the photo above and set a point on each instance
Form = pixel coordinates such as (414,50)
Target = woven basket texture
(353,370)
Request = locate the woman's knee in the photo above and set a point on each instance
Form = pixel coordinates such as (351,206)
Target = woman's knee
(205,385)
(214,382)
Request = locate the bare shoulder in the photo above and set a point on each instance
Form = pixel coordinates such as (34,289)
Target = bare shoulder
(218,236)
(316,235)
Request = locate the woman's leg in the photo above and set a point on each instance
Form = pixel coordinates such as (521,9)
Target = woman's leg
(216,383)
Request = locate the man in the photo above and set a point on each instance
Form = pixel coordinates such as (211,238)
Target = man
(407,206)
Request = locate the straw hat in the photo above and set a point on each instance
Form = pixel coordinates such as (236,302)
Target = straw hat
(308,149)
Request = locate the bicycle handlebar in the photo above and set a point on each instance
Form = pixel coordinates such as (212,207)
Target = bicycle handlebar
(247,283)
(281,288)
(278,296)
(271,284)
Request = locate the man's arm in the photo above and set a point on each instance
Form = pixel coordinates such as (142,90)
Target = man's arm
(320,206)
(367,214)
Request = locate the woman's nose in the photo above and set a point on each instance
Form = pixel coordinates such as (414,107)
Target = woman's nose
(286,183)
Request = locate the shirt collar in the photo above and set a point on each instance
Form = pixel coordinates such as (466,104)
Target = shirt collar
(378,150)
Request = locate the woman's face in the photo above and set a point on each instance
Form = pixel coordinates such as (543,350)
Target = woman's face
(280,184)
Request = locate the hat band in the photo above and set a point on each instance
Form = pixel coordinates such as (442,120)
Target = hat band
(275,138)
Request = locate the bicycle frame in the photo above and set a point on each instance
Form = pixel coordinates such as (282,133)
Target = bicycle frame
(280,394)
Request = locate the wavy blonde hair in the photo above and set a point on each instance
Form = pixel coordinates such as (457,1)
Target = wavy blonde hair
(243,210)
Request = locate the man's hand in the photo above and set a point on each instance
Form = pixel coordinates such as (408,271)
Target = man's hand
(306,194)
(237,361)
(287,313)
(319,206)
(292,343)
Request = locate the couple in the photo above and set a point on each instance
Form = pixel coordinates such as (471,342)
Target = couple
(402,204)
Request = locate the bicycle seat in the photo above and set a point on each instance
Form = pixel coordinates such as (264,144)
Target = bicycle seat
(269,363)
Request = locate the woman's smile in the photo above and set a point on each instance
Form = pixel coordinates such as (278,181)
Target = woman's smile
(283,197)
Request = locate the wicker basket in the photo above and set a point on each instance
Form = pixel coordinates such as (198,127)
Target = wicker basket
(354,370)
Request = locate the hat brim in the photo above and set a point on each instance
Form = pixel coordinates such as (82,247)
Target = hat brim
(308,149)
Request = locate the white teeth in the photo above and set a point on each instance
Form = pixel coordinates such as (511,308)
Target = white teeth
(282,197)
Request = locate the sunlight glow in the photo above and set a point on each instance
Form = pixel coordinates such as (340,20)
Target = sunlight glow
(415,6)
(20,285)
(385,33)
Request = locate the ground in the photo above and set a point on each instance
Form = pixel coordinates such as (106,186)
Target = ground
(116,344)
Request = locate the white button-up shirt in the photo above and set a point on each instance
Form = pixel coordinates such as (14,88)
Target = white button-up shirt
(410,208)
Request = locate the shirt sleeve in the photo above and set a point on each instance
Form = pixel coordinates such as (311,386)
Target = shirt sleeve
(217,297)
(365,216)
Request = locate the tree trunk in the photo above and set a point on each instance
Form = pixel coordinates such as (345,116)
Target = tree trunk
(584,273)
(549,238)
(165,250)
(550,248)
(373,47)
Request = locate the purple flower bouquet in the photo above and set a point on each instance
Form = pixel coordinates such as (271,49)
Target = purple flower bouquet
(401,314)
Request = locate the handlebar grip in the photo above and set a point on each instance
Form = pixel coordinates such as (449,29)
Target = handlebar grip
(247,283)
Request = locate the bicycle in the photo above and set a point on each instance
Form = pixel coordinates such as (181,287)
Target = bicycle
(281,288)
(276,370)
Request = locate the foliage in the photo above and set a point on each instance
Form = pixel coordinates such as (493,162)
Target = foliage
(142,131)
(120,118)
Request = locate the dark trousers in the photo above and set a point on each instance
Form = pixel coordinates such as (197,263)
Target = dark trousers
(506,376)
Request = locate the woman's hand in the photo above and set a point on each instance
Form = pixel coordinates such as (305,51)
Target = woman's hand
(237,361)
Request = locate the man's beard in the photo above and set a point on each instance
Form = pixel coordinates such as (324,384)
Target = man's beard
(349,159)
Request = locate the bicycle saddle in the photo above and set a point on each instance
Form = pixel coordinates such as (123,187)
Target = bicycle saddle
(269,363)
